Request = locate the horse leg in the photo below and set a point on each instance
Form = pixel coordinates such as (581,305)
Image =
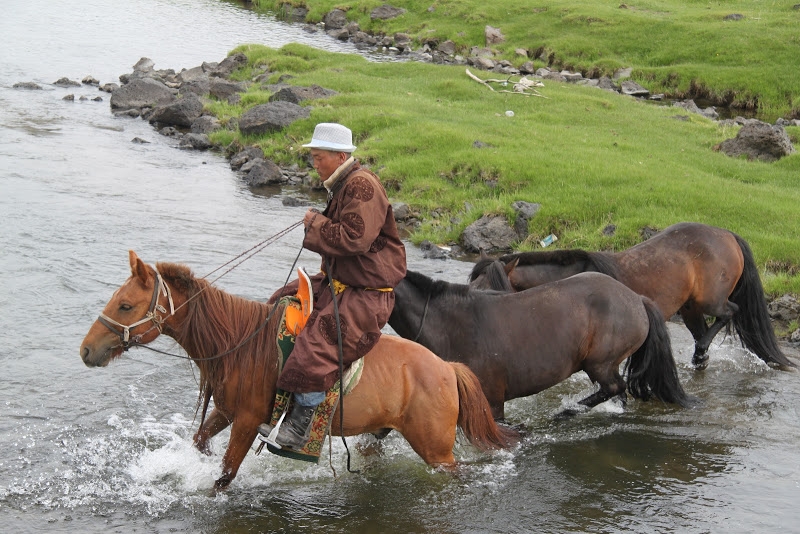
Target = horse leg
(215,423)
(243,432)
(611,385)
(722,315)
(695,321)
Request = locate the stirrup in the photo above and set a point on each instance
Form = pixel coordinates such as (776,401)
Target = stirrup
(270,438)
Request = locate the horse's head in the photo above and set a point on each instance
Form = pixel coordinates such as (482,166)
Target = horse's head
(134,315)
(492,274)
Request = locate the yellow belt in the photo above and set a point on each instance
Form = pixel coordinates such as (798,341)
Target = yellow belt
(338,287)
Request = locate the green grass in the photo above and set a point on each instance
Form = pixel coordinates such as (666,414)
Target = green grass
(590,157)
(683,48)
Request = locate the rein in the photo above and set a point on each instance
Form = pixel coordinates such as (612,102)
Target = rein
(123,331)
(424,314)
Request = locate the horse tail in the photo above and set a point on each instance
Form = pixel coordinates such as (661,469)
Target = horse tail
(651,369)
(752,321)
(475,415)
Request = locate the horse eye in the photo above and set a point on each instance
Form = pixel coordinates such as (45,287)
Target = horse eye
(125,307)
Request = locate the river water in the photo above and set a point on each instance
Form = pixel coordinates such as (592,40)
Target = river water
(109,450)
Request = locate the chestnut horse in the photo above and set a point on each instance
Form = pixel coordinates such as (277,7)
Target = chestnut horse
(522,343)
(404,386)
(692,269)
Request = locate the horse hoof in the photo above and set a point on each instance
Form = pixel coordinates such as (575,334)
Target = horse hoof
(700,361)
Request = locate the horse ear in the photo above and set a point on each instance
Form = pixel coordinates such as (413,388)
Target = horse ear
(138,268)
(510,266)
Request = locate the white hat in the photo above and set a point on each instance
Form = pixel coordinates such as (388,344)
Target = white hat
(333,137)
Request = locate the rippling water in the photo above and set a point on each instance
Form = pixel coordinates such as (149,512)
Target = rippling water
(99,450)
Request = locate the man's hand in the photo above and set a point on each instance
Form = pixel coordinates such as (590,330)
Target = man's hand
(309,216)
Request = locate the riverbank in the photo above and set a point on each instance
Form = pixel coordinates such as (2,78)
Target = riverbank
(737,54)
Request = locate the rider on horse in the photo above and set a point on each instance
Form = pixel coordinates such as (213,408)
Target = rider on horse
(357,237)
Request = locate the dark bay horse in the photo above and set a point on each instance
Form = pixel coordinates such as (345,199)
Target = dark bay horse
(522,343)
(404,386)
(692,269)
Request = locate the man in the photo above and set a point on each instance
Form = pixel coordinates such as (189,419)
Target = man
(357,238)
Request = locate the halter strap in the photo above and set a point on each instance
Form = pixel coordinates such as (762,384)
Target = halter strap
(124,331)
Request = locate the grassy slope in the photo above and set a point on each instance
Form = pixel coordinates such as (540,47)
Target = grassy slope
(681,47)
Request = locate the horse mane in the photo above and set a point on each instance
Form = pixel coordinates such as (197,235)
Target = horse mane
(215,323)
(435,288)
(494,272)
(593,261)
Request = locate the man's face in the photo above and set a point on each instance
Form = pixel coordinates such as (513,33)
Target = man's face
(325,161)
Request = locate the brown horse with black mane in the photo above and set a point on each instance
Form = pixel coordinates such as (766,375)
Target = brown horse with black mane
(404,386)
(692,269)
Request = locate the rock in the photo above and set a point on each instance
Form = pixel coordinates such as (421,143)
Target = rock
(294,202)
(690,105)
(139,141)
(296,94)
(527,68)
(480,144)
(431,251)
(248,154)
(448,47)
(386,12)
(224,90)
(69,98)
(525,211)
(733,16)
(335,20)
(183,112)
(271,117)
(483,63)
(632,88)
(197,141)
(66,82)
(228,65)
(401,211)
(490,234)
(292,13)
(760,141)
(141,93)
(193,74)
(571,76)
(109,87)
(264,172)
(402,40)
(144,65)
(493,35)
(610,230)
(27,85)
(785,308)
(795,337)
(198,87)
(132,113)
(205,124)
(89,80)
(623,73)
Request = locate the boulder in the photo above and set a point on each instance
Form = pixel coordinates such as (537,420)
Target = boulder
(243,156)
(27,85)
(66,82)
(296,94)
(335,20)
(205,124)
(263,172)
(493,35)
(224,90)
(228,65)
(785,308)
(183,112)
(196,141)
(525,212)
(141,93)
(490,233)
(386,12)
(271,117)
(629,87)
(759,140)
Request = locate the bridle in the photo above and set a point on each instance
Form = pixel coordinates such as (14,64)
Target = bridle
(153,315)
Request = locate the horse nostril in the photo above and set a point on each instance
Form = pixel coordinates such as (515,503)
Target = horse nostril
(84,353)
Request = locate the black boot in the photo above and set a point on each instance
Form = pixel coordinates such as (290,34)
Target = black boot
(296,427)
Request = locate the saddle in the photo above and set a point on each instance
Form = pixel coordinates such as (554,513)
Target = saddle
(296,312)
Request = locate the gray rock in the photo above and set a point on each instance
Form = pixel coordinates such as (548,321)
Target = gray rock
(89,80)
(66,82)
(335,20)
(248,154)
(69,98)
(401,211)
(193,74)
(525,211)
(386,12)
(493,35)
(271,117)
(224,90)
(689,105)
(132,113)
(733,16)
(139,141)
(760,141)
(490,234)
(402,40)
(632,88)
(226,67)
(296,94)
(140,93)
(183,112)
(292,13)
(264,172)
(27,85)
(109,87)
(448,47)
(197,141)
(623,73)
(144,65)
(431,251)
(198,87)
(527,68)
(205,124)
(785,308)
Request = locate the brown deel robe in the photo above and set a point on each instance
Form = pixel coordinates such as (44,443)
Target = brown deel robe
(358,236)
